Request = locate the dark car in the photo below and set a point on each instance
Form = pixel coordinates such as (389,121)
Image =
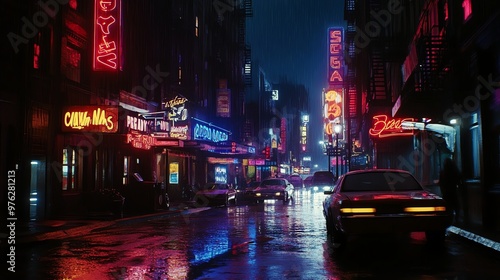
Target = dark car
(308,181)
(383,201)
(322,181)
(273,188)
(296,181)
(215,194)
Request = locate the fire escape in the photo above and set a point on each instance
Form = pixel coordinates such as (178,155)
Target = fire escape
(352,115)
(378,94)
(245,9)
(424,89)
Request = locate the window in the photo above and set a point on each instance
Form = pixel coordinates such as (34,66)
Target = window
(467,6)
(475,140)
(196,27)
(126,169)
(72,163)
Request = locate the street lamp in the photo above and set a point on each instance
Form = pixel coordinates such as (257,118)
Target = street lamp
(337,128)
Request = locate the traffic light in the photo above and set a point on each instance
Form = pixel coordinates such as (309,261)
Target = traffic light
(268,152)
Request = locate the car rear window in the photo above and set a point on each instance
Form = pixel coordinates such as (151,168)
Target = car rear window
(272,182)
(380,181)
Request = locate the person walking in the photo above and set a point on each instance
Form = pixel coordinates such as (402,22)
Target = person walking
(450,180)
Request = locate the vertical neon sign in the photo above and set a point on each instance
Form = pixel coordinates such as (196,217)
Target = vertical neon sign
(107,25)
(335,56)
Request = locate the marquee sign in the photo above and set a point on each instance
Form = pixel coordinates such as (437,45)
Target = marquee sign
(107,29)
(384,126)
(335,56)
(90,119)
(209,133)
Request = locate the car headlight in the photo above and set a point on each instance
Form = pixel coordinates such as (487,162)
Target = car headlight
(315,188)
(258,194)
(425,209)
(277,194)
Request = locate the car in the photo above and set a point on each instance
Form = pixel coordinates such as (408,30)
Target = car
(383,201)
(322,181)
(272,188)
(308,181)
(296,181)
(215,194)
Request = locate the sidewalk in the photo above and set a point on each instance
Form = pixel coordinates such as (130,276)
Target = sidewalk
(56,229)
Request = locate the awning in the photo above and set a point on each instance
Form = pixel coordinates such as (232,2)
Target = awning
(445,131)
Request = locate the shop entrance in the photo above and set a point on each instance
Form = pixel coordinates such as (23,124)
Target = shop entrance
(37,188)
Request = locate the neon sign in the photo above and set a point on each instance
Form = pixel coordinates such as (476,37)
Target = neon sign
(203,132)
(140,141)
(179,132)
(333,109)
(335,56)
(90,118)
(107,18)
(383,127)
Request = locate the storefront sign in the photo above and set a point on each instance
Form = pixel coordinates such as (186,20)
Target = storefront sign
(214,160)
(173,169)
(221,174)
(384,126)
(90,119)
(176,108)
(224,103)
(207,133)
(107,29)
(140,141)
(179,132)
(146,126)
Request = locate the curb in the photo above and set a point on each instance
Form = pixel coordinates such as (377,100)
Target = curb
(475,238)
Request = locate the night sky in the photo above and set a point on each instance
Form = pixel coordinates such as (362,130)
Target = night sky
(289,39)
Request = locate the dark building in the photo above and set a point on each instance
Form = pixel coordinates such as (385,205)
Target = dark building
(94,92)
(428,72)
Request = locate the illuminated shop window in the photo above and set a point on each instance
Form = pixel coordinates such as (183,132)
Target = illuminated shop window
(196,27)
(126,169)
(467,6)
(71,169)
(36,56)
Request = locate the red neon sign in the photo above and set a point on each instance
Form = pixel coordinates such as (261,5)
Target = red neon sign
(107,17)
(385,127)
(335,56)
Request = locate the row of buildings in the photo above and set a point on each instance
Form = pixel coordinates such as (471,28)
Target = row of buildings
(143,97)
(99,95)
(423,81)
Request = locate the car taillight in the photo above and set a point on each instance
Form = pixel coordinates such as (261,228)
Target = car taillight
(425,209)
(360,210)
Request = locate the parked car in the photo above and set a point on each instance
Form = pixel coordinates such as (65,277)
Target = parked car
(323,181)
(383,201)
(308,181)
(215,194)
(296,181)
(273,188)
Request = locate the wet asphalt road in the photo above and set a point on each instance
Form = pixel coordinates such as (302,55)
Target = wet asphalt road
(248,241)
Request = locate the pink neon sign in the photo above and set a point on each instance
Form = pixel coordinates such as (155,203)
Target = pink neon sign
(107,18)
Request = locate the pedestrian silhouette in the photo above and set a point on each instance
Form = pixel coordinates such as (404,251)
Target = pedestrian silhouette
(450,180)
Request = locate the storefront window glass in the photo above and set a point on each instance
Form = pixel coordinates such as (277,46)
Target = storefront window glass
(71,169)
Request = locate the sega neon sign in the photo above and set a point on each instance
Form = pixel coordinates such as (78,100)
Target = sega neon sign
(107,18)
(335,56)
